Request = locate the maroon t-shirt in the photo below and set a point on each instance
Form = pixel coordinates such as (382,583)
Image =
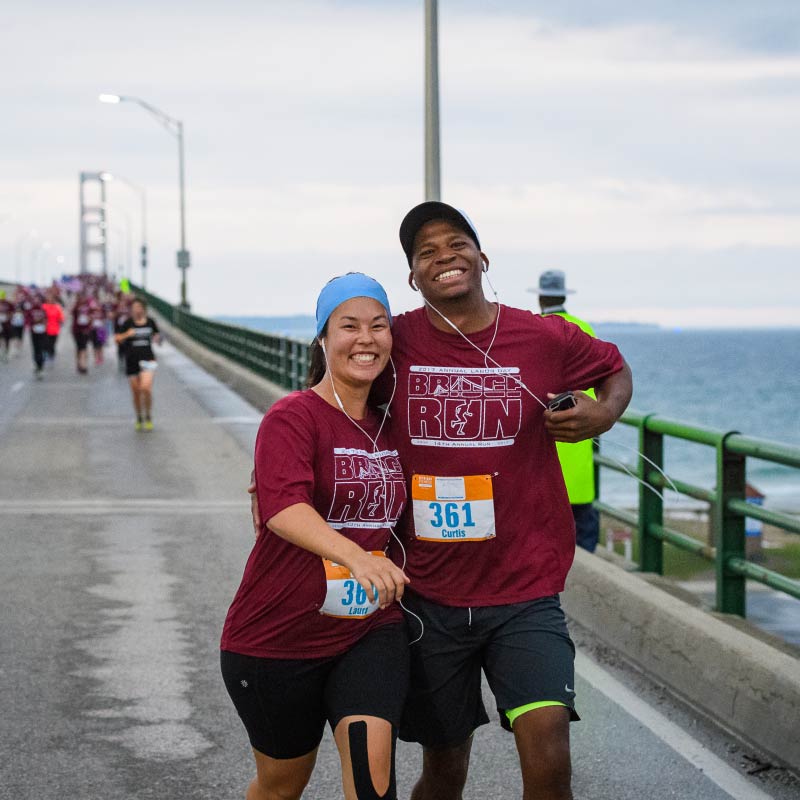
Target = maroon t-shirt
(307,451)
(82,316)
(36,318)
(454,416)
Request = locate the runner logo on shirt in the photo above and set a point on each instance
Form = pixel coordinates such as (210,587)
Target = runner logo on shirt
(464,407)
(360,482)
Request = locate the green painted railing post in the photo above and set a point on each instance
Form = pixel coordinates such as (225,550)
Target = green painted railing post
(729,527)
(295,366)
(651,506)
(285,379)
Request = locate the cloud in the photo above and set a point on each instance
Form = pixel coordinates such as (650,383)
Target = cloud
(599,138)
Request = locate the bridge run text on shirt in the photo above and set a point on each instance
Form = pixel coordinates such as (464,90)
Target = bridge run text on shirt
(464,406)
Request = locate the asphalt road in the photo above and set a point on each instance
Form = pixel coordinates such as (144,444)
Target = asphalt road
(121,551)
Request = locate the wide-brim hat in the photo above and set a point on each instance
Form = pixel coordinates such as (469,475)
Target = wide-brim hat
(427,212)
(552,283)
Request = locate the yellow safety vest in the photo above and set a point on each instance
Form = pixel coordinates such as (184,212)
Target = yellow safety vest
(577,460)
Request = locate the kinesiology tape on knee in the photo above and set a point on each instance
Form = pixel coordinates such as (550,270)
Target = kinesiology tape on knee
(359,758)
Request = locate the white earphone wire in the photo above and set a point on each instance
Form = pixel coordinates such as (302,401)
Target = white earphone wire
(375,450)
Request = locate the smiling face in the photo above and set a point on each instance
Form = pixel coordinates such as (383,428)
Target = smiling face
(358,341)
(446,263)
(138,310)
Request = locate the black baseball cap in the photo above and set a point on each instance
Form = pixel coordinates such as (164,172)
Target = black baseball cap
(426,212)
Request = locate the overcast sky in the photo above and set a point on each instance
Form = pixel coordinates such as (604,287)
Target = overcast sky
(649,149)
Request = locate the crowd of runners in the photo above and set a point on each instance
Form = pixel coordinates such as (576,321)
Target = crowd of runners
(98,313)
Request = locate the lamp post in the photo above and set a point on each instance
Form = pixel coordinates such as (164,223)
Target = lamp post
(175,127)
(108,176)
(432,165)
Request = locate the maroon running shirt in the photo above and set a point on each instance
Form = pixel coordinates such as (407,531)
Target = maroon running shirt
(82,316)
(307,451)
(506,533)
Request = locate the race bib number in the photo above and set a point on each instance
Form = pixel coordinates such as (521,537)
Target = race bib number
(98,323)
(39,328)
(148,366)
(3,317)
(17,319)
(83,319)
(458,509)
(345,597)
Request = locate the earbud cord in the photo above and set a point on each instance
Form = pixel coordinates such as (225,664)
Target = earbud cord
(375,451)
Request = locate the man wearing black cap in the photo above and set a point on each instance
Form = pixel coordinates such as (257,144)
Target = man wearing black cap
(490,537)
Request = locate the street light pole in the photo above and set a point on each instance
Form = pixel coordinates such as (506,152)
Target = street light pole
(175,127)
(432,162)
(183,253)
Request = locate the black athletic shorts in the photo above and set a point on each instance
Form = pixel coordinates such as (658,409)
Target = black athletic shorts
(81,339)
(524,649)
(284,703)
(16,331)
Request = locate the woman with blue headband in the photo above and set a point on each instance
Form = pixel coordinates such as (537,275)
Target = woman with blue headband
(315,634)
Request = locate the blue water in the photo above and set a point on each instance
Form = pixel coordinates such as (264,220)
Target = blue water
(748,381)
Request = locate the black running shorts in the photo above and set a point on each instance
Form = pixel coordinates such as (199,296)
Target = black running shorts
(81,339)
(284,703)
(524,649)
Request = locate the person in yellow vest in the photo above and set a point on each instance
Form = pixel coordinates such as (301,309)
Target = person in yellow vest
(577,462)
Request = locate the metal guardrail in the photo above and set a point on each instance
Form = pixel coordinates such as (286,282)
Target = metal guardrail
(284,361)
(727,503)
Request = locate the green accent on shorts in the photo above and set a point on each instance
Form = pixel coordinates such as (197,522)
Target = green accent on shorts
(513,713)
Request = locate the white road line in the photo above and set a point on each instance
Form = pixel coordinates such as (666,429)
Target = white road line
(17,386)
(713,767)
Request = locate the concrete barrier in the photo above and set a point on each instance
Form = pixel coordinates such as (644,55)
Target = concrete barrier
(734,675)
(721,665)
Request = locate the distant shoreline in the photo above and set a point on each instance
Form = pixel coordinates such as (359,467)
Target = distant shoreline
(302,326)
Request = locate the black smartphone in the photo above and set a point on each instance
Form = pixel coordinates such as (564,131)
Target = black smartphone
(563,401)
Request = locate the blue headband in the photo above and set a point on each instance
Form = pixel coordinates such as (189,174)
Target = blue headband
(337,290)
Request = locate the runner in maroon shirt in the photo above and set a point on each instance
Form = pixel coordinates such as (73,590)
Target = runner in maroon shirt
(314,633)
(17,322)
(36,320)
(489,534)
(81,329)
(99,332)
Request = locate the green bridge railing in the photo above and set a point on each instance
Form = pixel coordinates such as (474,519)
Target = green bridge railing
(284,361)
(727,504)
